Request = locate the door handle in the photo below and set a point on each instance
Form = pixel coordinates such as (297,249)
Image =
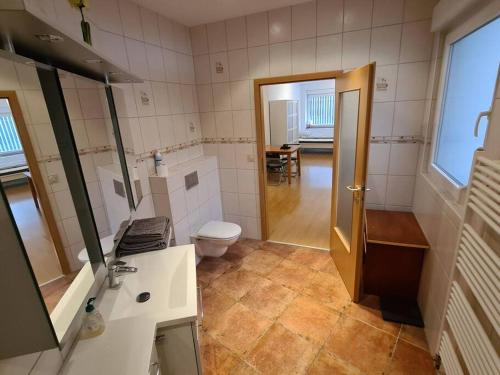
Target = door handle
(357,188)
(478,120)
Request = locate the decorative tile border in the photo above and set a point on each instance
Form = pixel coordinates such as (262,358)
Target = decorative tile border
(83,151)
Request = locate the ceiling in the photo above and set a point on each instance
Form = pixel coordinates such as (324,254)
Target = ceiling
(196,12)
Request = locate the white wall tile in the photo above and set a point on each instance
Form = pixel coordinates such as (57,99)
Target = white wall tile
(304,20)
(219,58)
(403,160)
(236,33)
(230,203)
(36,105)
(175,98)
(280,25)
(387,12)
(226,155)
(131,20)
(240,95)
(199,40)
(73,104)
(382,117)
(257,30)
(416,43)
(355,49)
(202,68)
(378,161)
(160,96)
(90,103)
(303,55)
(248,205)
(377,185)
(245,156)
(400,190)
(188,102)
(154,56)
(166,28)
(96,132)
(178,205)
(330,14)
(416,10)
(385,44)
(258,62)
(247,182)
(208,128)
(228,180)
(180,130)
(412,81)
(205,98)
(143,99)
(357,14)
(170,64)
(280,59)
(224,124)
(166,131)
(242,124)
(216,37)
(137,58)
(408,118)
(150,28)
(329,52)
(238,64)
(222,96)
(150,134)
(390,74)
(186,68)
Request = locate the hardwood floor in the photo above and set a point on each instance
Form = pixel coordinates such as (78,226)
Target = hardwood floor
(300,213)
(34,233)
(53,291)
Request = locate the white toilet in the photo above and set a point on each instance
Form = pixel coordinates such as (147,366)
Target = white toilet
(215,237)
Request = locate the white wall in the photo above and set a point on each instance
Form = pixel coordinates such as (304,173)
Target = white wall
(317,36)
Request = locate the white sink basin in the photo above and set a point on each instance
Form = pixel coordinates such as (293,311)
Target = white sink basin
(168,275)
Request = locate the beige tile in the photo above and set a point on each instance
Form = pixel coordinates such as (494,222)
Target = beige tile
(282,352)
(415,336)
(361,345)
(329,289)
(261,262)
(368,311)
(214,304)
(239,328)
(268,298)
(237,283)
(280,249)
(326,364)
(409,360)
(310,319)
(292,275)
(315,259)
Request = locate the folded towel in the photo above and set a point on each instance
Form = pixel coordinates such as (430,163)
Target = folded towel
(153,227)
(144,235)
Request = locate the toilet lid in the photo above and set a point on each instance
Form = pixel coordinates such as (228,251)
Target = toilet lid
(219,229)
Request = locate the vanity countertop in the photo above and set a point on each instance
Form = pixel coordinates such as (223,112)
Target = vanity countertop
(126,344)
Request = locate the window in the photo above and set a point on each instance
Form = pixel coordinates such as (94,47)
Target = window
(469,88)
(11,150)
(320,110)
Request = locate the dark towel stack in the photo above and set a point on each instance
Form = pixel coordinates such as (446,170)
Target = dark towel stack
(145,235)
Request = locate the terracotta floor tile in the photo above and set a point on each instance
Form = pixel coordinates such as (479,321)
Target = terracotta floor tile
(255,244)
(215,358)
(310,319)
(410,360)
(268,298)
(236,252)
(214,304)
(327,364)
(281,249)
(368,311)
(315,259)
(415,336)
(330,267)
(211,268)
(280,351)
(239,328)
(261,261)
(237,283)
(244,369)
(292,275)
(329,289)
(361,345)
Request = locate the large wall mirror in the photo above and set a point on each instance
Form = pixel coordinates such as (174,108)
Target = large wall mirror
(60,152)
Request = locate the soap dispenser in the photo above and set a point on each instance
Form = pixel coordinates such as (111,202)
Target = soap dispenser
(93,323)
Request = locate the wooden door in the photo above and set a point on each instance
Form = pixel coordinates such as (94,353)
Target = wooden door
(353,98)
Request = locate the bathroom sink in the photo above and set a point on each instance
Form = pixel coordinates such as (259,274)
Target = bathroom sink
(168,275)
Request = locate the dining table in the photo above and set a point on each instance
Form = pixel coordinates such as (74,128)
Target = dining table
(288,152)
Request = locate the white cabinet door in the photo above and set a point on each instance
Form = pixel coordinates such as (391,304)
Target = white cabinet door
(178,351)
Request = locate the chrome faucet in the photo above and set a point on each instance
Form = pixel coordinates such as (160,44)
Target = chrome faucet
(114,271)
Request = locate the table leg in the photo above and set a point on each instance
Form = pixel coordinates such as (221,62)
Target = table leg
(298,162)
(289,157)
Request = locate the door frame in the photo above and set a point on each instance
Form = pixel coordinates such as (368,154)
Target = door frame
(30,155)
(260,133)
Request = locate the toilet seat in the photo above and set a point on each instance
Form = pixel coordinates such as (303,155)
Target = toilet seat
(219,230)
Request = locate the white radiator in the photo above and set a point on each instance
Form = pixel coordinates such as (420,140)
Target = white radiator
(473,312)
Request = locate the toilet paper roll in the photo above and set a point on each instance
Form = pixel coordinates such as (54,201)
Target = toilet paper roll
(162,170)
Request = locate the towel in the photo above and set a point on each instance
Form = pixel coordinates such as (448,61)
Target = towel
(144,235)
